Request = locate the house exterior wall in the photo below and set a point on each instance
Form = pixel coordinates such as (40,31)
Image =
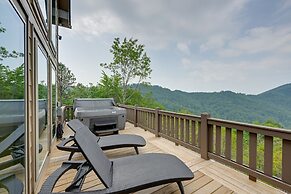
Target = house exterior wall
(36,58)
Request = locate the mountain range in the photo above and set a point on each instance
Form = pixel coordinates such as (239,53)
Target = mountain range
(273,104)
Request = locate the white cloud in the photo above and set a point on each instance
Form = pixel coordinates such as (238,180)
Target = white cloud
(184,48)
(258,40)
(157,22)
(233,46)
(97,24)
(214,42)
(212,71)
(263,39)
(186,62)
(228,52)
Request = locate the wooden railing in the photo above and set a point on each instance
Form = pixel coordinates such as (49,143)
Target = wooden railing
(228,142)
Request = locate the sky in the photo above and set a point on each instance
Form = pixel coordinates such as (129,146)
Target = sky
(195,46)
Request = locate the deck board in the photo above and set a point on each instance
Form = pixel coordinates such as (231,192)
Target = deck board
(210,176)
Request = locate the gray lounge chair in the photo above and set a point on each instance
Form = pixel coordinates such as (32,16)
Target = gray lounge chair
(105,142)
(123,175)
(12,184)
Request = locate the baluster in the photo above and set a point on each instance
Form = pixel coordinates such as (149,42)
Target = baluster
(160,122)
(199,134)
(157,122)
(172,127)
(187,131)
(268,155)
(239,146)
(177,127)
(253,154)
(153,120)
(182,129)
(164,124)
(218,140)
(168,126)
(210,138)
(193,133)
(228,143)
(286,161)
(143,119)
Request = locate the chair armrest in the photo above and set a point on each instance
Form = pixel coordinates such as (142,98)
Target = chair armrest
(70,148)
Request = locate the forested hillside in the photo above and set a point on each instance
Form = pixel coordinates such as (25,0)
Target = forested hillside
(274,104)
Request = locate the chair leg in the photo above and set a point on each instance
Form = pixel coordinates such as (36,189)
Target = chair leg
(136,150)
(181,187)
(71,155)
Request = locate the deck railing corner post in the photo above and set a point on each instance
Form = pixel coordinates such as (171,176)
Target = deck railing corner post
(157,127)
(135,116)
(204,136)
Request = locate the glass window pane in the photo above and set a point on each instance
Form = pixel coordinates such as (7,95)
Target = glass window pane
(12,93)
(54,22)
(54,38)
(43,8)
(43,133)
(54,103)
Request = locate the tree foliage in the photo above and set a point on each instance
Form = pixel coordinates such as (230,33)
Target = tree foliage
(65,80)
(228,105)
(110,86)
(11,80)
(130,62)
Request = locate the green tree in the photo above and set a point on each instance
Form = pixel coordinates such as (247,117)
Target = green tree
(270,123)
(42,90)
(11,80)
(65,79)
(110,87)
(130,61)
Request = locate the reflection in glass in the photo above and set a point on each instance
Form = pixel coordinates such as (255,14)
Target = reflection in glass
(12,93)
(42,134)
(43,8)
(54,38)
(54,23)
(54,103)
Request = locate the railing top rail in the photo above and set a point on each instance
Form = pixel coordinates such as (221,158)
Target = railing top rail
(145,109)
(126,106)
(216,121)
(180,114)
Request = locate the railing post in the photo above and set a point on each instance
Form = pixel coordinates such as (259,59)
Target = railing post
(204,136)
(157,127)
(135,116)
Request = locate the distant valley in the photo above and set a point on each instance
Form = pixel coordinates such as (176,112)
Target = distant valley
(273,104)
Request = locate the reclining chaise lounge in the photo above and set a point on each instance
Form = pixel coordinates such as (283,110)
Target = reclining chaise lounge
(123,175)
(104,142)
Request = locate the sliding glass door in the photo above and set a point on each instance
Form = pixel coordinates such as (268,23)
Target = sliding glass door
(12,94)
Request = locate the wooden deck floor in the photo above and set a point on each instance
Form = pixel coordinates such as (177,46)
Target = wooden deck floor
(210,176)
